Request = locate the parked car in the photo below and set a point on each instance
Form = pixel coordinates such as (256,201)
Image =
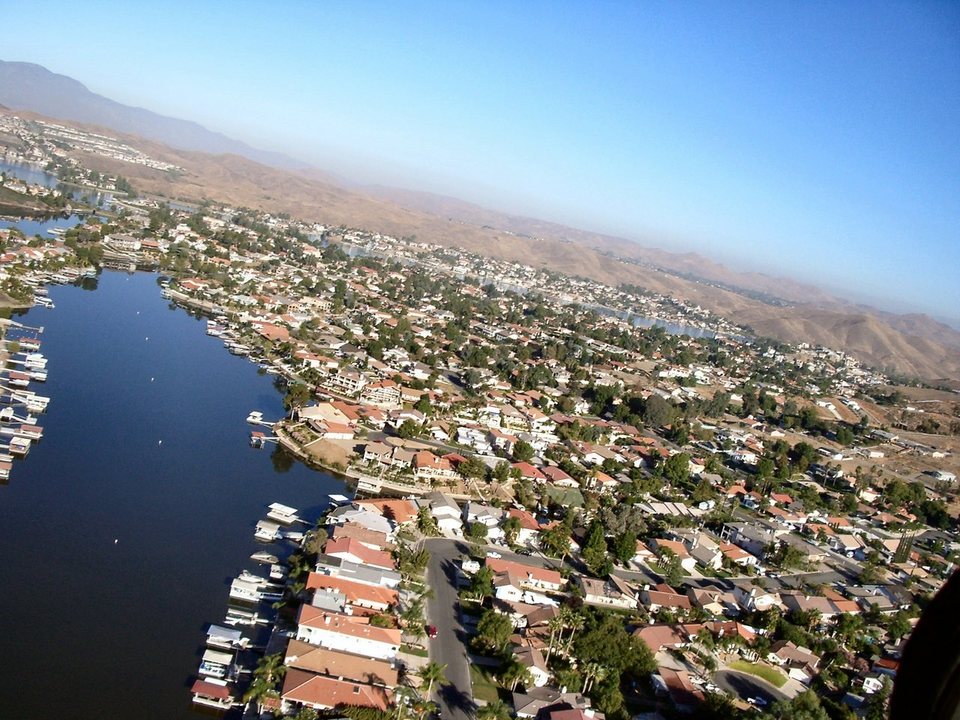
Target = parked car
(431,631)
(494,555)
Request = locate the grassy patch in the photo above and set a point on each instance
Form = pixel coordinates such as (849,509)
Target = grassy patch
(484,686)
(765,672)
(411,650)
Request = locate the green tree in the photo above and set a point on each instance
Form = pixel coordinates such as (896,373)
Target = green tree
(481,585)
(408,429)
(493,632)
(899,626)
(594,552)
(555,541)
(676,468)
(805,706)
(523,451)
(495,710)
(478,532)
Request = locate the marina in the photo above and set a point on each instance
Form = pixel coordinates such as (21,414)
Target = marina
(202,487)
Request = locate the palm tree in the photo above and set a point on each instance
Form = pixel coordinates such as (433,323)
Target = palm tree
(556,625)
(516,673)
(404,696)
(266,675)
(496,710)
(593,671)
(575,621)
(433,673)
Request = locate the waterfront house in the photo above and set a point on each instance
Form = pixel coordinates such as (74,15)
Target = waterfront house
(344,634)
(326,693)
(338,567)
(353,550)
(321,661)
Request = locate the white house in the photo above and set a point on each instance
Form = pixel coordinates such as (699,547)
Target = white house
(342,633)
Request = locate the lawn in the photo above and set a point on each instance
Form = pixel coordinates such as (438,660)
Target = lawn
(484,686)
(765,672)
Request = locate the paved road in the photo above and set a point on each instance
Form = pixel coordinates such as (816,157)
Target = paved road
(747,686)
(455,699)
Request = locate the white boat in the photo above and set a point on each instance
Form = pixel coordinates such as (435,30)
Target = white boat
(226,638)
(255,417)
(245,591)
(264,558)
(267,531)
(278,572)
(215,663)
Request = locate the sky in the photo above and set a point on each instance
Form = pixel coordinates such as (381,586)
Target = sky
(817,140)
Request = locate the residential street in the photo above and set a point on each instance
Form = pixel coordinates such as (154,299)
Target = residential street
(455,699)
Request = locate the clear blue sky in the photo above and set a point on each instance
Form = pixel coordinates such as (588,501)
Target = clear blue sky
(815,139)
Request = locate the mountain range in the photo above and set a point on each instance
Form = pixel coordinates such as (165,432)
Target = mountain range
(221,168)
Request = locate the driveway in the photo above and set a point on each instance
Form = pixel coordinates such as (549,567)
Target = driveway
(455,699)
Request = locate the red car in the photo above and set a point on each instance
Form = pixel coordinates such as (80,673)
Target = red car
(431,631)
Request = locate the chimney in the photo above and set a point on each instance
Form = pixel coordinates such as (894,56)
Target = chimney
(326,619)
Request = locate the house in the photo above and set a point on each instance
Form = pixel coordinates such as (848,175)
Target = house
(530,577)
(338,567)
(321,661)
(677,684)
(446,512)
(427,466)
(384,393)
(664,548)
(529,533)
(801,664)
(558,477)
(532,659)
(658,637)
(342,633)
(362,515)
(663,596)
(487,515)
(529,472)
(325,693)
(353,550)
(373,597)
(611,593)
(531,703)
(750,597)
(713,601)
(370,538)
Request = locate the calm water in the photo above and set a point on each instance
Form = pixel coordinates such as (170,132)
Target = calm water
(40,227)
(29,174)
(90,628)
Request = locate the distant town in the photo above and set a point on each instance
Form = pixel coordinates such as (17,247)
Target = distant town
(571,501)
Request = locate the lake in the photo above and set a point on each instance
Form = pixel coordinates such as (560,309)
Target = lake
(36,176)
(94,628)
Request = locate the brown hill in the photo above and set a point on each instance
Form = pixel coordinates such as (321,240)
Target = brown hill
(881,340)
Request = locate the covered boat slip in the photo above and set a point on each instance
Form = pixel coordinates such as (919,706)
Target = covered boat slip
(215,663)
(213,693)
(282,513)
(224,637)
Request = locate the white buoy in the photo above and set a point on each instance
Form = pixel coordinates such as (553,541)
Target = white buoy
(146,338)
(116,540)
(151,379)
(159,442)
